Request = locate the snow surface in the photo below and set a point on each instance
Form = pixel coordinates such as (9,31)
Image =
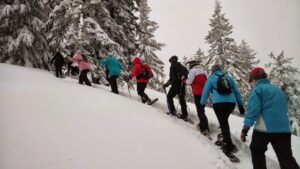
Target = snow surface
(52,123)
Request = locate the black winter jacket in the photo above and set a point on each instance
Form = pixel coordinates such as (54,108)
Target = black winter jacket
(58,59)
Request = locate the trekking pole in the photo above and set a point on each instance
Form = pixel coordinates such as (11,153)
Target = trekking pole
(128,90)
(164,89)
(180,90)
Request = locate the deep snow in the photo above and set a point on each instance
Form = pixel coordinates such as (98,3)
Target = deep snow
(52,123)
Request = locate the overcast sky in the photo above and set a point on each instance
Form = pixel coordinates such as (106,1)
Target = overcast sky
(267,25)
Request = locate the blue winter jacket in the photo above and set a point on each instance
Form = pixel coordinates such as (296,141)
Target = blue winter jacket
(113,65)
(268,107)
(211,87)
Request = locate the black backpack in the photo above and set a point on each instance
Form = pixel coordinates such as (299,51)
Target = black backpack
(145,72)
(223,85)
(182,72)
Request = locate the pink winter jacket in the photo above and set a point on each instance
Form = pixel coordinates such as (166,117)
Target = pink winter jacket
(82,65)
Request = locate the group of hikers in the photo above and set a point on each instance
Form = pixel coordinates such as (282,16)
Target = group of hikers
(267,106)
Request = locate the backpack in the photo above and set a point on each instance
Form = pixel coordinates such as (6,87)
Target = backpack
(145,72)
(182,73)
(223,85)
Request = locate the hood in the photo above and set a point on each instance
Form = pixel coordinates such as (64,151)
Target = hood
(218,72)
(78,56)
(137,60)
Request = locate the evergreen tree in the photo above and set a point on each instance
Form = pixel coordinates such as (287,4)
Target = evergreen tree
(245,60)
(96,27)
(283,74)
(203,59)
(221,44)
(22,41)
(235,60)
(148,45)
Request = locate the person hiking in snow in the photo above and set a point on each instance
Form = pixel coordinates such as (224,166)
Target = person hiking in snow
(197,78)
(59,62)
(225,94)
(137,71)
(113,67)
(83,66)
(178,74)
(268,107)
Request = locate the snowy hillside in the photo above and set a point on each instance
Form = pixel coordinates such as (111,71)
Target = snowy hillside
(50,123)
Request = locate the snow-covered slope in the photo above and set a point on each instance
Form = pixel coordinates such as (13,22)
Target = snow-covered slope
(52,123)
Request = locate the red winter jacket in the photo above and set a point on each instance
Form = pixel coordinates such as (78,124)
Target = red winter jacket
(137,69)
(82,65)
(197,78)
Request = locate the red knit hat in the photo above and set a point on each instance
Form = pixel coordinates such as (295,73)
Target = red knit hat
(257,73)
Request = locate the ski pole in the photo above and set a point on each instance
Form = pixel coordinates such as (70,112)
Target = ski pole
(164,89)
(128,90)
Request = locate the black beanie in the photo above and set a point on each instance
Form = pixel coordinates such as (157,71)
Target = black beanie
(173,59)
(215,68)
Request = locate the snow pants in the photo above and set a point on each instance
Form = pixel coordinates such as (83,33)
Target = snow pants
(113,83)
(58,71)
(177,89)
(203,125)
(141,92)
(223,111)
(83,77)
(281,143)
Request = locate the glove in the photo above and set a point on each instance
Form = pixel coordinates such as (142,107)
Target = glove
(166,85)
(127,78)
(244,133)
(242,110)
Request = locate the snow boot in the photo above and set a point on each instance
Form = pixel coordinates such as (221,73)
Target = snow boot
(232,149)
(144,100)
(205,132)
(171,113)
(183,117)
(148,101)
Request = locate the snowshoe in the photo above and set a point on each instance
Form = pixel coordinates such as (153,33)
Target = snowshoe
(206,134)
(185,118)
(152,101)
(171,113)
(219,141)
(232,157)
(233,150)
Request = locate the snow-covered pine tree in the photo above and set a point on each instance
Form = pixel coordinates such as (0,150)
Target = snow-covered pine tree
(245,60)
(22,41)
(148,46)
(116,18)
(202,58)
(96,27)
(283,74)
(221,44)
(235,60)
